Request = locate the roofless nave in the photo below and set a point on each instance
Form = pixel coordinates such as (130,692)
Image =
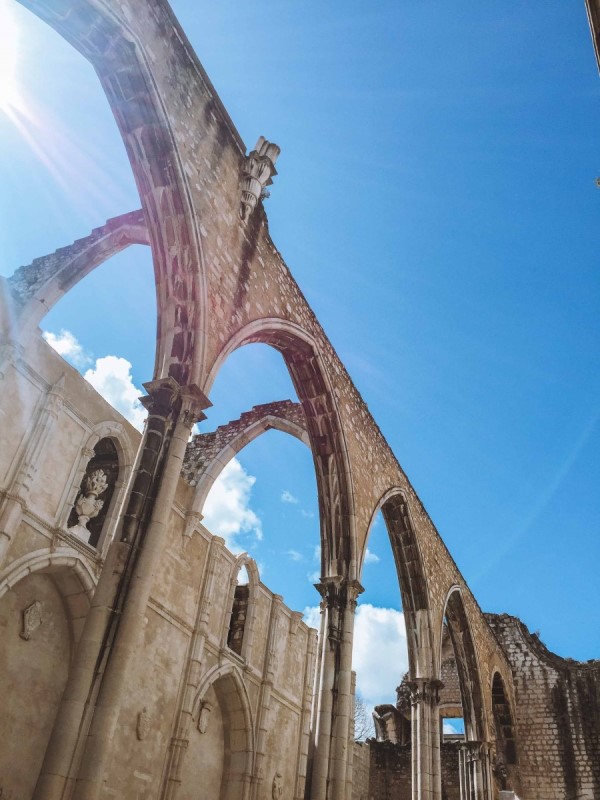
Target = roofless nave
(133,664)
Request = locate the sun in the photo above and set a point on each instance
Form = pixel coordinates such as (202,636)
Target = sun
(9,50)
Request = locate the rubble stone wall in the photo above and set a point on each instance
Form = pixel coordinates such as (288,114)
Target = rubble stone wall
(557,716)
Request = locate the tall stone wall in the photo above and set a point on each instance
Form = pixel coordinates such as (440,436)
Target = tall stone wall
(557,716)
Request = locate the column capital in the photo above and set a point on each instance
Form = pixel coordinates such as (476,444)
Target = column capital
(425,690)
(338,592)
(165,393)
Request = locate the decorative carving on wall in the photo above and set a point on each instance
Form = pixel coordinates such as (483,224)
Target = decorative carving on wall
(277,787)
(259,169)
(144,722)
(88,504)
(204,716)
(32,619)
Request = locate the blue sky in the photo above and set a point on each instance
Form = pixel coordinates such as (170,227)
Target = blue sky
(436,202)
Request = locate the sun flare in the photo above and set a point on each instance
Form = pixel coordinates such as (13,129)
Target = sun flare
(9,50)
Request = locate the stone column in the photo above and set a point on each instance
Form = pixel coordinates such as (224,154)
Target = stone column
(335,688)
(16,499)
(425,735)
(187,405)
(195,663)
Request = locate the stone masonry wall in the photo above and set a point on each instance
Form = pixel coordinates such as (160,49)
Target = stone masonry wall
(557,716)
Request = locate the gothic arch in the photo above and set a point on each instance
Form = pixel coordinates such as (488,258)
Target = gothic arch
(232,696)
(325,431)
(412,579)
(243,560)
(119,59)
(41,284)
(70,573)
(469,674)
(213,469)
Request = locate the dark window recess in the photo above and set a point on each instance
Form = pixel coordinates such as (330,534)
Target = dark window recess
(239,612)
(105,458)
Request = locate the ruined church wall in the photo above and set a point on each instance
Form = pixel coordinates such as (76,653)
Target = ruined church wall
(282,657)
(557,717)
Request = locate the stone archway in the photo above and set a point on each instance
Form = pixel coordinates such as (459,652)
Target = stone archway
(219,756)
(43,603)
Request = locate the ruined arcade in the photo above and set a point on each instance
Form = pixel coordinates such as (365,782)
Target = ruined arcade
(155,671)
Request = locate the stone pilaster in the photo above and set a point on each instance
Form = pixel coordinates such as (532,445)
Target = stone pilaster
(263,722)
(194,668)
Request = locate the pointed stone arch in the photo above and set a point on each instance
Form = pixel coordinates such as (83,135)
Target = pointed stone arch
(112,47)
(325,432)
(412,579)
(469,674)
(227,683)
(242,561)
(38,286)
(203,471)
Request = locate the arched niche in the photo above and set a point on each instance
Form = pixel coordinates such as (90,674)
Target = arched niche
(325,433)
(107,449)
(220,752)
(44,599)
(411,578)
(457,624)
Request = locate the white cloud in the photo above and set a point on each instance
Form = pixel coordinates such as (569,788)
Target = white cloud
(312,616)
(288,497)
(67,346)
(371,558)
(307,514)
(314,577)
(111,377)
(227,511)
(379,656)
(317,552)
(295,555)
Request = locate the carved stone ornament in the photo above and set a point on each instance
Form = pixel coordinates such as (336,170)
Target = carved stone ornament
(88,505)
(144,723)
(204,716)
(277,787)
(32,619)
(258,172)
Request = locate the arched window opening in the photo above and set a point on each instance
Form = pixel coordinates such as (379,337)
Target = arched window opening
(239,615)
(96,493)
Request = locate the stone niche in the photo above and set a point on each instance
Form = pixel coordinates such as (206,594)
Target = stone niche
(88,522)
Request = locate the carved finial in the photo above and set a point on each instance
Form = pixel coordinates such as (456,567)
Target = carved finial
(259,169)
